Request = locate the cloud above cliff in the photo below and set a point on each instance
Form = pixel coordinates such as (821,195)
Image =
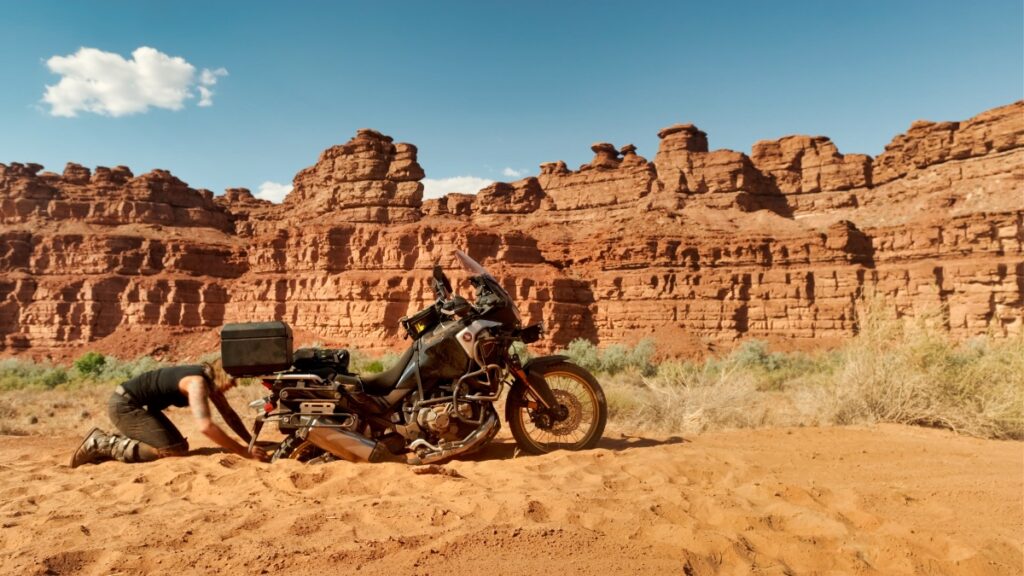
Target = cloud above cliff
(108,84)
(512,173)
(466,184)
(273,191)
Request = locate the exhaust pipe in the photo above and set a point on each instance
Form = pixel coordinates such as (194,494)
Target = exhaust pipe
(476,440)
(350,446)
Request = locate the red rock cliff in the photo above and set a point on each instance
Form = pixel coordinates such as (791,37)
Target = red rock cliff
(698,248)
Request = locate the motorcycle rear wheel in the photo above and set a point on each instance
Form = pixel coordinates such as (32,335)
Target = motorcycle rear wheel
(295,448)
(578,391)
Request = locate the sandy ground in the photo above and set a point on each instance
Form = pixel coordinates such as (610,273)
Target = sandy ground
(881,500)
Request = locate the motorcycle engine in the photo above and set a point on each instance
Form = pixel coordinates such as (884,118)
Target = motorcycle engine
(440,419)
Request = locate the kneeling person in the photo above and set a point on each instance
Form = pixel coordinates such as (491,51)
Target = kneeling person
(146,434)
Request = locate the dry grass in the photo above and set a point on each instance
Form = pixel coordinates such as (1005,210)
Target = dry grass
(892,371)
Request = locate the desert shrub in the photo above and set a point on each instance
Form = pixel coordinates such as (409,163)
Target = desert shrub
(16,374)
(613,359)
(891,371)
(774,371)
(521,350)
(686,397)
(910,373)
(388,360)
(374,367)
(90,363)
(357,360)
(584,353)
(362,363)
(117,370)
(754,354)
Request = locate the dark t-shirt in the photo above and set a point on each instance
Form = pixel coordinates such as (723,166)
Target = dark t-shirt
(158,389)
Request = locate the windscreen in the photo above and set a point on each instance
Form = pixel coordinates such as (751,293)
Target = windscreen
(476,269)
(471,265)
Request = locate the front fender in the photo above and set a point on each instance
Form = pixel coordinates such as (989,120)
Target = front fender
(532,379)
(541,361)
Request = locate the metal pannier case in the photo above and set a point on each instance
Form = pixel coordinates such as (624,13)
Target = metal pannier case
(255,348)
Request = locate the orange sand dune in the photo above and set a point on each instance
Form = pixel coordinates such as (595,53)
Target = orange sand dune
(884,500)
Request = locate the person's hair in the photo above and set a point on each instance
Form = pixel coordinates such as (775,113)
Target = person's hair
(215,375)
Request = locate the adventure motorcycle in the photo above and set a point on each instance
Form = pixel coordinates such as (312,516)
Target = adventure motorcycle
(438,401)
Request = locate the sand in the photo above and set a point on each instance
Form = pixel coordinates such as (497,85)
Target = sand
(879,500)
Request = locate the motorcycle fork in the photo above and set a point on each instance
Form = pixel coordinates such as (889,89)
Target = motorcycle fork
(537,389)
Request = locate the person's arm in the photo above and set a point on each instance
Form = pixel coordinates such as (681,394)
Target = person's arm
(231,417)
(197,401)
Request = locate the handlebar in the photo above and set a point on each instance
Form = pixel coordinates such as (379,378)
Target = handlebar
(454,305)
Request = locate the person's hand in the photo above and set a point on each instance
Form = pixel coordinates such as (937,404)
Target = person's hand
(258,453)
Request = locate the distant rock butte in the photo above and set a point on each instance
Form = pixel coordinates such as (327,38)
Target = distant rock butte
(697,248)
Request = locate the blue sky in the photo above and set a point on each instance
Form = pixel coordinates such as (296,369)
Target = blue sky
(484,89)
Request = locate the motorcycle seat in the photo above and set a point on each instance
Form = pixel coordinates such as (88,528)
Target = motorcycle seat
(383,383)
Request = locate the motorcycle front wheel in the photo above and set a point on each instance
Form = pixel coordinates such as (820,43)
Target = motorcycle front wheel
(578,395)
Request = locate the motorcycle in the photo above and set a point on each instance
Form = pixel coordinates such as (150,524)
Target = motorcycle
(438,401)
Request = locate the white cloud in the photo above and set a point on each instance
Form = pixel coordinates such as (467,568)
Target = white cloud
(466,184)
(205,97)
(512,173)
(106,83)
(273,191)
(208,78)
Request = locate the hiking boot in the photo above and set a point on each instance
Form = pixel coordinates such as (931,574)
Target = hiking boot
(99,446)
(93,449)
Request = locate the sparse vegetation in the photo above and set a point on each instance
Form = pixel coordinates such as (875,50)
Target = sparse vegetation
(613,359)
(892,371)
(89,369)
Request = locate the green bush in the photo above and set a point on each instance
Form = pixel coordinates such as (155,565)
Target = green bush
(55,377)
(90,363)
(362,363)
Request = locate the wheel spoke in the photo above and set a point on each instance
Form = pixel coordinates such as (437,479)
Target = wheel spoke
(574,431)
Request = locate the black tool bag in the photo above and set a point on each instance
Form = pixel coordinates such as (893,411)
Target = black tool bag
(316,359)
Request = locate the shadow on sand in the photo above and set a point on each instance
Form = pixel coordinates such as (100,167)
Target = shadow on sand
(214,450)
(508,449)
(505,449)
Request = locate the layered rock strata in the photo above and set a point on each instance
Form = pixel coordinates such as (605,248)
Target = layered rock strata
(698,248)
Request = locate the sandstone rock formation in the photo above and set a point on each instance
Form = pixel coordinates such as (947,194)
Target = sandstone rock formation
(698,248)
(369,179)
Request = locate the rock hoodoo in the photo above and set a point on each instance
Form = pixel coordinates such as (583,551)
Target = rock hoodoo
(698,248)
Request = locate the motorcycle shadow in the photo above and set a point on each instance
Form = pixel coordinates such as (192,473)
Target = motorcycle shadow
(214,450)
(507,450)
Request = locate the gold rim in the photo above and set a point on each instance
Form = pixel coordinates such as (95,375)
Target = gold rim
(303,451)
(576,393)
